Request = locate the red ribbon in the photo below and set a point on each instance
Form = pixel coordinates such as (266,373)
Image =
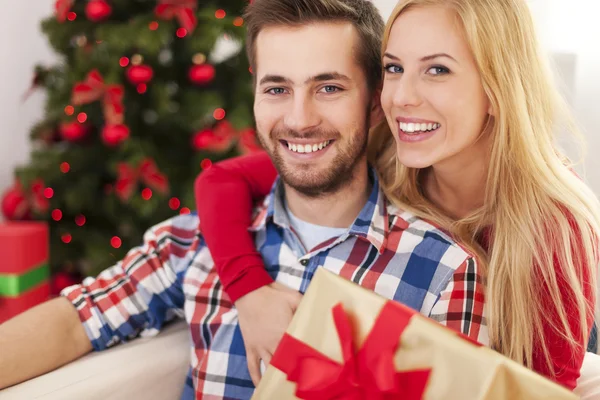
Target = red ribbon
(62,8)
(93,89)
(368,374)
(183,10)
(147,172)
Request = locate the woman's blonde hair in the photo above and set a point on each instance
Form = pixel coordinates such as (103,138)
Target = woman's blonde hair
(540,212)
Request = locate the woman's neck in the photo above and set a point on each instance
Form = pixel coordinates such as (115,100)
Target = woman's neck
(457,186)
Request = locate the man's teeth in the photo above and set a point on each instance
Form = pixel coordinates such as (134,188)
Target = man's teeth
(410,127)
(307,148)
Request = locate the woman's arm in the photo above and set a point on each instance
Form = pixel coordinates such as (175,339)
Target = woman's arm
(566,360)
(225,197)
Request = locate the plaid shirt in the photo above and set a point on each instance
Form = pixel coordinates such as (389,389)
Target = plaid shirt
(172,275)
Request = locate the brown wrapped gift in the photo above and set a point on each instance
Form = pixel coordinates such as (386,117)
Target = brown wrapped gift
(346,342)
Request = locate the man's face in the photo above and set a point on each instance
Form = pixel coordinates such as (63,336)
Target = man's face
(312,104)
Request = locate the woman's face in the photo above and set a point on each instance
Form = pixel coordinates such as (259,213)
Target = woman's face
(432,94)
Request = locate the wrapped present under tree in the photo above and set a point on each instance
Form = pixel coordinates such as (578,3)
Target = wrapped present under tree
(346,342)
(24,271)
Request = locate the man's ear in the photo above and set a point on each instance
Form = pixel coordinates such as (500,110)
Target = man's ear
(376,114)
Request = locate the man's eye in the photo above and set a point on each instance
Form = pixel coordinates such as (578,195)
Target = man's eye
(394,69)
(276,91)
(330,89)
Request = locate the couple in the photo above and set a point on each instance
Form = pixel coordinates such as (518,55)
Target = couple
(460,200)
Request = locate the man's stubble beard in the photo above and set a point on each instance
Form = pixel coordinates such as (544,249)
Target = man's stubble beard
(317,182)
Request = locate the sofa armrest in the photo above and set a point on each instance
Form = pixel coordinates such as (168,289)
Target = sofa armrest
(145,368)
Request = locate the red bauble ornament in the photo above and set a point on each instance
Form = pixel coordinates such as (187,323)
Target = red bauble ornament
(97,10)
(72,131)
(138,74)
(202,74)
(113,135)
(61,281)
(15,206)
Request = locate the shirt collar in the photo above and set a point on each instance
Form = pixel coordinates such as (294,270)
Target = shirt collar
(372,223)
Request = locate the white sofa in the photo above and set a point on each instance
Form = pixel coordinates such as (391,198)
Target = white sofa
(146,368)
(155,369)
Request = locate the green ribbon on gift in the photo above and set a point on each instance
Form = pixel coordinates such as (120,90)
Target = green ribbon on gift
(13,285)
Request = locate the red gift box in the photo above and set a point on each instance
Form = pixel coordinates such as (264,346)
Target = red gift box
(24,272)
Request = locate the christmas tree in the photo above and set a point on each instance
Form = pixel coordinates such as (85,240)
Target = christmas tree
(148,94)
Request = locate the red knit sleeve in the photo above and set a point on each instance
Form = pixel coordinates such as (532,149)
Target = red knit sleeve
(225,196)
(566,361)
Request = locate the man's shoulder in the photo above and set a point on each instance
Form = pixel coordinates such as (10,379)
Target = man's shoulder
(429,231)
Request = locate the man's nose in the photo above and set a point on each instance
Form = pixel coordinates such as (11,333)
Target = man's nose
(303,114)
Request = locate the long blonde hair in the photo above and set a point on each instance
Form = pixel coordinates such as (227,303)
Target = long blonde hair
(541,214)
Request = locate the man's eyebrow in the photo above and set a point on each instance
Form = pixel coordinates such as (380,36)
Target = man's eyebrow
(426,58)
(274,79)
(328,76)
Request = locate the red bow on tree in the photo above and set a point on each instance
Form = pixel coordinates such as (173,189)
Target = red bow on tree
(247,142)
(183,10)
(147,172)
(366,374)
(93,89)
(62,8)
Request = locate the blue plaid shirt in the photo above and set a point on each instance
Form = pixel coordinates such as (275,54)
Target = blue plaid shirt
(171,275)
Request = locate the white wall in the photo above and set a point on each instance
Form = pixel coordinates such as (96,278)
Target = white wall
(22,45)
(569,29)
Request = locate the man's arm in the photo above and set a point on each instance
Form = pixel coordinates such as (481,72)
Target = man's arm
(138,294)
(40,340)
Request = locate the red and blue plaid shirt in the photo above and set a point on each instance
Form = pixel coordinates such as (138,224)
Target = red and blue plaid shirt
(172,275)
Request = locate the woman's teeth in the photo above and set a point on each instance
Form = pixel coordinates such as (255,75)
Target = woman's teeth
(307,148)
(411,127)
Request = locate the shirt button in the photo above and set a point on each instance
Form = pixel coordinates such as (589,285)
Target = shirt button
(304,262)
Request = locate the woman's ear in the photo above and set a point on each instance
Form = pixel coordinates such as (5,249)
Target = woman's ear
(376,114)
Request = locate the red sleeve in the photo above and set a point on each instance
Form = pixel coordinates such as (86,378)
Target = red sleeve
(566,361)
(225,196)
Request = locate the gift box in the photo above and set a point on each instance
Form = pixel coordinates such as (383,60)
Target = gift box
(346,342)
(24,270)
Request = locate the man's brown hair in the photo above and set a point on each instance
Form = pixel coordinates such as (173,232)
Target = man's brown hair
(362,14)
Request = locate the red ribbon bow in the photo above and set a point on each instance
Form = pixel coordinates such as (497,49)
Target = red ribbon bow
(182,9)
(93,89)
(147,172)
(368,374)
(62,8)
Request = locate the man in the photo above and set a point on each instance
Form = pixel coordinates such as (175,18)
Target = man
(317,69)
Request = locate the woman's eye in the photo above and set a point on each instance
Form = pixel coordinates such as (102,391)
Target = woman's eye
(438,70)
(394,69)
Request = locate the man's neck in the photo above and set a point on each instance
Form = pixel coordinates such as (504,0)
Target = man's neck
(336,210)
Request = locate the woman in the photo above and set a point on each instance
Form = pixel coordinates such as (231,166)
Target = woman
(469,145)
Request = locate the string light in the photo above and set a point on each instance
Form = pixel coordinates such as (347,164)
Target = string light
(185,210)
(69,110)
(81,117)
(66,238)
(71,16)
(220,14)
(124,61)
(141,88)
(153,25)
(174,203)
(238,21)
(48,193)
(56,215)
(181,32)
(116,242)
(65,167)
(146,194)
(80,220)
(219,114)
(206,163)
